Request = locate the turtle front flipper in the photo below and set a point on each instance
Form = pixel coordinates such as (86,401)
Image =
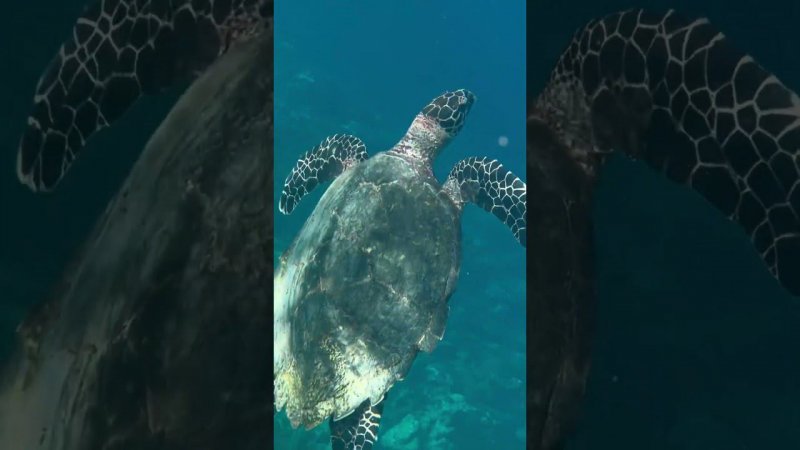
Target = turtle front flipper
(321,164)
(119,50)
(676,93)
(491,186)
(359,430)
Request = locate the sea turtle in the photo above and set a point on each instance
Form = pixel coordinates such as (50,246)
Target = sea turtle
(676,94)
(365,284)
(156,337)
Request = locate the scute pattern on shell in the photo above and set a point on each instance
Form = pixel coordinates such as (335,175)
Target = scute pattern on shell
(352,308)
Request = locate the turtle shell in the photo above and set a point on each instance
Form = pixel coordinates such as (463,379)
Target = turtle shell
(363,288)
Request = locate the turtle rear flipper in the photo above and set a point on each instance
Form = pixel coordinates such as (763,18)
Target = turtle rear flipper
(491,186)
(359,430)
(321,164)
(118,51)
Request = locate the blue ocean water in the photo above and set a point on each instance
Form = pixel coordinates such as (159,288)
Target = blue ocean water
(367,68)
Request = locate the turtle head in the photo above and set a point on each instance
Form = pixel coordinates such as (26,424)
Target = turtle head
(437,124)
(450,109)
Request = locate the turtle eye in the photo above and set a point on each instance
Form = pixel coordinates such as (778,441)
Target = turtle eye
(464,97)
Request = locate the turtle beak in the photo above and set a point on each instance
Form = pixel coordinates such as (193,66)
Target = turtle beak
(468,97)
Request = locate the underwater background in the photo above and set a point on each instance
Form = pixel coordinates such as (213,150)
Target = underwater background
(696,344)
(367,68)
